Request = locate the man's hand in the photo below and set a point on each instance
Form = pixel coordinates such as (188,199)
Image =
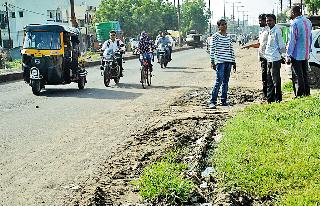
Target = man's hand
(213,66)
(288,60)
(245,47)
(234,67)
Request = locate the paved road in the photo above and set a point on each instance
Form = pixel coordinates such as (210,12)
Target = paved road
(52,142)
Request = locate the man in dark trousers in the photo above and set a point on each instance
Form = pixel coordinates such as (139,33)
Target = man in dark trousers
(263,37)
(299,47)
(275,49)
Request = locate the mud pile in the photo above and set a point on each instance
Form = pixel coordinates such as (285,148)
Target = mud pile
(188,126)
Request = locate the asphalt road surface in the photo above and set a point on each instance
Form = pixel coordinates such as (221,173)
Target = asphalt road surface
(52,142)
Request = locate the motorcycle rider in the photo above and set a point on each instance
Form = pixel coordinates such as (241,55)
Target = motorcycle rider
(146,46)
(116,45)
(165,41)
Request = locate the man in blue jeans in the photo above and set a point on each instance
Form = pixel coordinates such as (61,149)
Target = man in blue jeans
(222,59)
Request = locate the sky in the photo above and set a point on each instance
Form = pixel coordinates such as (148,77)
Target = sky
(254,8)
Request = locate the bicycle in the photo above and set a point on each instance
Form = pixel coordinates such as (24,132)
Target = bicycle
(146,70)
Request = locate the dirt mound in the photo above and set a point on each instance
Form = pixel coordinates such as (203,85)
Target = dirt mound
(187,125)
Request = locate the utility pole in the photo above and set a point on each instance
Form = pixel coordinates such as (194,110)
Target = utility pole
(210,17)
(174,3)
(290,4)
(180,42)
(301,4)
(73,16)
(281,6)
(8,23)
(233,21)
(224,9)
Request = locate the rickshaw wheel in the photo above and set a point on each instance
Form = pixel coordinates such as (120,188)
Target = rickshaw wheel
(36,86)
(81,82)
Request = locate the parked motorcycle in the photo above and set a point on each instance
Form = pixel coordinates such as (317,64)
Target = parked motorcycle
(164,57)
(110,69)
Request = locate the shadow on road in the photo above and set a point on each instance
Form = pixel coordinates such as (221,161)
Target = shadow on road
(90,93)
(138,86)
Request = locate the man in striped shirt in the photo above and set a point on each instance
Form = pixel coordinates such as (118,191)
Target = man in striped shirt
(222,58)
(298,51)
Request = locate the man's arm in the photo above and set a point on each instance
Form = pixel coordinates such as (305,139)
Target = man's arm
(255,45)
(292,41)
(282,46)
(104,46)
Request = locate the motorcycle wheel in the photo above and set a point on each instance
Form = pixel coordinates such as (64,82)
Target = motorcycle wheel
(144,72)
(36,86)
(81,82)
(165,64)
(162,62)
(106,76)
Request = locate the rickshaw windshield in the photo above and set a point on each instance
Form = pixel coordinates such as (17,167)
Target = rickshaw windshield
(42,40)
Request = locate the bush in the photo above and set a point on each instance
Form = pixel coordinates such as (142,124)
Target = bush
(164,181)
(273,150)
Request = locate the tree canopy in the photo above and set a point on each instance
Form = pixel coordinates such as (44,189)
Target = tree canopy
(153,15)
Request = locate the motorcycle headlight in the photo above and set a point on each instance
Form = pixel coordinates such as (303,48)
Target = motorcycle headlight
(34,72)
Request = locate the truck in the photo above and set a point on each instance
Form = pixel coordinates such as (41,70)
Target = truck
(194,39)
(103,29)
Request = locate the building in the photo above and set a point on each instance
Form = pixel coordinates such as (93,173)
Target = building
(15,14)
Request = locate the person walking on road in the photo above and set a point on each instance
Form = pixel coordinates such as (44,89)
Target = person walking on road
(273,53)
(299,47)
(222,59)
(263,37)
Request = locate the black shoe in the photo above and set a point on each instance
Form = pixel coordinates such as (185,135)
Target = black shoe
(121,75)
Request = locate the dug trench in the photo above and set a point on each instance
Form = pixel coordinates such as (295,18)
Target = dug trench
(187,126)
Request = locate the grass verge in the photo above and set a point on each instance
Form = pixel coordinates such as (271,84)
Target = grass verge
(287,87)
(273,151)
(164,181)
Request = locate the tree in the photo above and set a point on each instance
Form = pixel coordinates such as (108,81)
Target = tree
(138,15)
(195,16)
(313,5)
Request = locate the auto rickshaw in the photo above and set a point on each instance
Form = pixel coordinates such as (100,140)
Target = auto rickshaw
(50,56)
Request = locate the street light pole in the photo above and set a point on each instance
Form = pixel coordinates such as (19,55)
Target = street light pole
(210,17)
(179,22)
(224,9)
(9,32)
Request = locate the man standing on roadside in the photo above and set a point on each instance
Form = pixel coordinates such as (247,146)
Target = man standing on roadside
(263,37)
(222,58)
(274,50)
(298,51)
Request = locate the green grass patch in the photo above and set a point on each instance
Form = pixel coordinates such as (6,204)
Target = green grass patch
(92,55)
(287,87)
(164,181)
(16,64)
(273,150)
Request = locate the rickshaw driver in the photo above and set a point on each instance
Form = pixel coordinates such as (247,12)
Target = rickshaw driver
(116,45)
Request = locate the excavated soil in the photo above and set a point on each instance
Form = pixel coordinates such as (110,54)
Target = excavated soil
(186,125)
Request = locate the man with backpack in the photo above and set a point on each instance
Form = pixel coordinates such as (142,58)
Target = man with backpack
(116,45)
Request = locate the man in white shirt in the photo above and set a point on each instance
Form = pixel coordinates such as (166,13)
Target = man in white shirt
(274,50)
(263,38)
(116,45)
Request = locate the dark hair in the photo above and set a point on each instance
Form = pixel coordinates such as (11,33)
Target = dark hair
(296,10)
(262,16)
(220,21)
(272,16)
(112,32)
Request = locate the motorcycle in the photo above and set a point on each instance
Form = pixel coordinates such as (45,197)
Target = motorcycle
(164,57)
(110,69)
